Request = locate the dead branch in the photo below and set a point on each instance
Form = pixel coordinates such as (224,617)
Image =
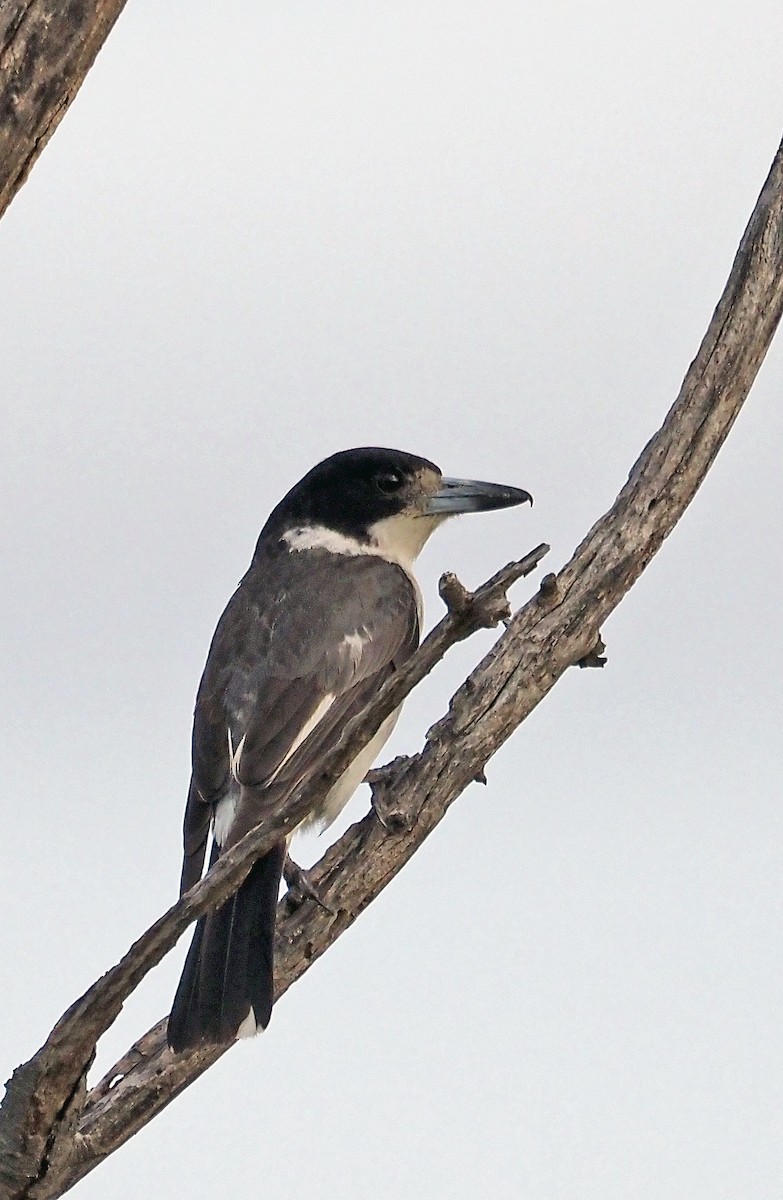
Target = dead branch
(55,1133)
(37,1113)
(52,1132)
(46,49)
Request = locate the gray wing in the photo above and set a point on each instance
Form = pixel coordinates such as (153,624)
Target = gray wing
(288,666)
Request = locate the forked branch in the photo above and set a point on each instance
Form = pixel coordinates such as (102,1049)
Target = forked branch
(52,1131)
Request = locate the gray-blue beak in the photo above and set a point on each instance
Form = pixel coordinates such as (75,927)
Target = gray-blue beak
(470,495)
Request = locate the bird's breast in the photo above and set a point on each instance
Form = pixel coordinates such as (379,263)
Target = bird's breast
(336,800)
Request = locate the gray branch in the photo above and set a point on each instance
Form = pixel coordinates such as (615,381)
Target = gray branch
(45,1094)
(46,49)
(52,1130)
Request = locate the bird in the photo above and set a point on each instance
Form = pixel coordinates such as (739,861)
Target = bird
(328,609)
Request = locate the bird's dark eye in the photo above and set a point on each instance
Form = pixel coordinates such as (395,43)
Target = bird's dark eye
(389,482)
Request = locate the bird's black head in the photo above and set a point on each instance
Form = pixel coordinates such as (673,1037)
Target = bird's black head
(354,489)
(385,498)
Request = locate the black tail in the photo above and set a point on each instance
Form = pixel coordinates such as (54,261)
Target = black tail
(229,967)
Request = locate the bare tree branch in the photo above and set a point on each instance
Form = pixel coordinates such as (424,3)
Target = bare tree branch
(46,49)
(64,1132)
(52,1131)
(36,1115)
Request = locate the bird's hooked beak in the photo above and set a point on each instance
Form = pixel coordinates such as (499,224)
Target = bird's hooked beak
(471,495)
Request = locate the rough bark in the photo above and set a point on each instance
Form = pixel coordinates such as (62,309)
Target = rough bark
(46,49)
(52,1130)
(36,1117)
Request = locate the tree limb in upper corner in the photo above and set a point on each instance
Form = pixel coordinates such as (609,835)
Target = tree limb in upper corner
(46,49)
(52,1130)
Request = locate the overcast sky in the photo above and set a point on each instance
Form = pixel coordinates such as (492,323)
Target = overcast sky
(492,234)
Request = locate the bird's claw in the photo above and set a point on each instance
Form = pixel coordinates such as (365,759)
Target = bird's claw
(300,888)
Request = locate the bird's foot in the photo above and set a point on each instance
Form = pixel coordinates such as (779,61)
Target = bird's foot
(382,782)
(300,888)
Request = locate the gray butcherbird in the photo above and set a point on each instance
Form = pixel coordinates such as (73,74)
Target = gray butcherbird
(327,611)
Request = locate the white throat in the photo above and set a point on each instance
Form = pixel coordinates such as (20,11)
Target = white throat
(398,539)
(401,538)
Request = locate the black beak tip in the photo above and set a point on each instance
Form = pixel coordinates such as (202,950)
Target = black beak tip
(516,496)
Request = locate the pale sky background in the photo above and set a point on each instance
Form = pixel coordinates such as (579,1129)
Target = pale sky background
(492,234)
